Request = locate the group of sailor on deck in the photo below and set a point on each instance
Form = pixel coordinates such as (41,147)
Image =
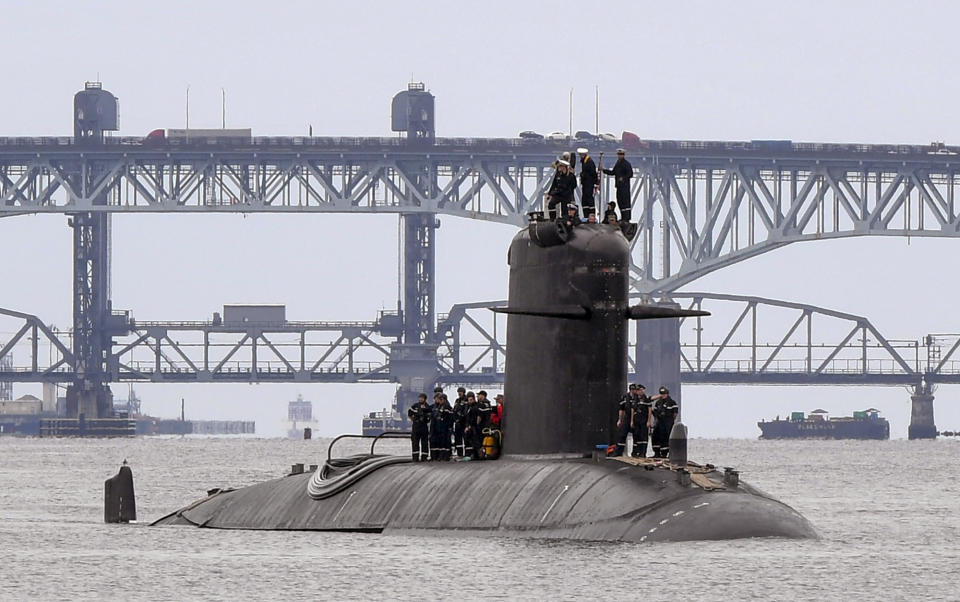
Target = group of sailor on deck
(472,422)
(646,418)
(473,425)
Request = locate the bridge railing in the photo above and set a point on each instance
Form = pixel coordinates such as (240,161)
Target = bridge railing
(780,148)
(801,366)
(266,370)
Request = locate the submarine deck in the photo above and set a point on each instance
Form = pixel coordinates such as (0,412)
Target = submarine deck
(610,500)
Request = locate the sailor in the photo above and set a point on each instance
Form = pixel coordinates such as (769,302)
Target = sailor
(665,410)
(472,430)
(610,215)
(572,218)
(441,422)
(486,410)
(624,411)
(588,181)
(459,420)
(478,420)
(622,172)
(496,418)
(419,415)
(640,422)
(485,418)
(561,190)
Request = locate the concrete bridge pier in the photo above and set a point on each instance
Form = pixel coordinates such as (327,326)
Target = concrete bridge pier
(657,354)
(921,414)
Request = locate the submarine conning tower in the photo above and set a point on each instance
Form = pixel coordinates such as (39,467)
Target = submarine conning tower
(567,337)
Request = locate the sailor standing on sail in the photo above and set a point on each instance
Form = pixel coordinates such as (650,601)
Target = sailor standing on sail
(622,172)
(588,182)
(561,190)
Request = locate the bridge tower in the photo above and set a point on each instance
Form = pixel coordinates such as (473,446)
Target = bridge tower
(95,111)
(922,425)
(413,360)
(412,113)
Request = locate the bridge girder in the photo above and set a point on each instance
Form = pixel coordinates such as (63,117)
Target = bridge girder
(751,341)
(697,217)
(700,205)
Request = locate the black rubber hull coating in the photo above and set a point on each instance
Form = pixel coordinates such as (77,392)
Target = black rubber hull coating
(604,500)
(564,377)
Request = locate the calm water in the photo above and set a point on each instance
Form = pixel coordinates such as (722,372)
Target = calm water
(888,513)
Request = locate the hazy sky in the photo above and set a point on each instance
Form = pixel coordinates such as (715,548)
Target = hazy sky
(806,71)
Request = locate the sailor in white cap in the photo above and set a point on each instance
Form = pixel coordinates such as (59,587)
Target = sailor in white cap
(561,189)
(588,182)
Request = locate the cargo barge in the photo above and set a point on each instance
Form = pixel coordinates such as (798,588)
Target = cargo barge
(865,424)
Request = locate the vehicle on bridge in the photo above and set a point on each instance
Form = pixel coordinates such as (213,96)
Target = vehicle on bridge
(199,136)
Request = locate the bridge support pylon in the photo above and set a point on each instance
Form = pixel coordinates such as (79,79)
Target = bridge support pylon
(95,111)
(921,414)
(657,353)
(89,395)
(414,362)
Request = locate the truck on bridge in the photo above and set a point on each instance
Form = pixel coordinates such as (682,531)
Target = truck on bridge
(208,136)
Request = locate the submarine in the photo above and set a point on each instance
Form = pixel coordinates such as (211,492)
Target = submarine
(568,312)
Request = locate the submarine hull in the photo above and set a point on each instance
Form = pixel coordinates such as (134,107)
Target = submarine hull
(582,499)
(567,333)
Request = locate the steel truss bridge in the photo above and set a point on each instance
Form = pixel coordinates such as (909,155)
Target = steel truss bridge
(812,346)
(700,206)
